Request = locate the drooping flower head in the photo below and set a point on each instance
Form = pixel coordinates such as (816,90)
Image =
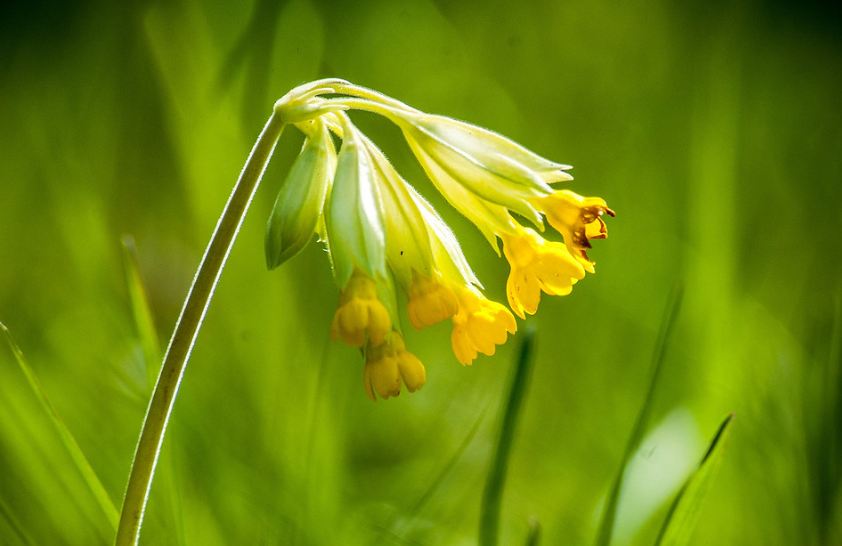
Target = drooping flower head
(383,235)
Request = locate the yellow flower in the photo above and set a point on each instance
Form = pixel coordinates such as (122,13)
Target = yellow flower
(430,301)
(537,265)
(578,219)
(361,315)
(421,250)
(356,240)
(479,326)
(381,233)
(389,363)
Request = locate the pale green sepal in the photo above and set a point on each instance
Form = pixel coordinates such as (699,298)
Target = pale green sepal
(295,216)
(505,182)
(388,296)
(407,241)
(490,218)
(557,175)
(447,253)
(480,142)
(354,214)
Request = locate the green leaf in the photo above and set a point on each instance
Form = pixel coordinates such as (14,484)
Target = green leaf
(82,464)
(609,515)
(684,512)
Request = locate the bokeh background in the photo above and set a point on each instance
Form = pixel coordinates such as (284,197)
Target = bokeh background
(713,128)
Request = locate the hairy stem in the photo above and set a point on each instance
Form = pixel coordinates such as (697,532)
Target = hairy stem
(186,330)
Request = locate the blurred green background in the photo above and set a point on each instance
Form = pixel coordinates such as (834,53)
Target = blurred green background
(713,128)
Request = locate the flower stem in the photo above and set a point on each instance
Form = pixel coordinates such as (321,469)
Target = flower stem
(186,330)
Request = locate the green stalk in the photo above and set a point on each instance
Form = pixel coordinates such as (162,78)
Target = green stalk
(492,497)
(186,330)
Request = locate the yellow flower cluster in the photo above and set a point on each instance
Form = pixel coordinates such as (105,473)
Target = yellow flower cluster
(382,235)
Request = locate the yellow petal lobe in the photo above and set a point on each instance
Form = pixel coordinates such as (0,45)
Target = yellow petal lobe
(537,265)
(479,326)
(578,219)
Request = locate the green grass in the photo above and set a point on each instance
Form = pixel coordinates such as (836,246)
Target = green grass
(713,131)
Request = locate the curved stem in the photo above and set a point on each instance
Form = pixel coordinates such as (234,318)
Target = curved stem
(389,112)
(186,330)
(347,88)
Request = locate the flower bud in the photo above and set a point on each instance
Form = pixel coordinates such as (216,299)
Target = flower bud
(299,205)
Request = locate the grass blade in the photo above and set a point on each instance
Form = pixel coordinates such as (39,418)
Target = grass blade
(609,515)
(141,310)
(492,496)
(451,463)
(151,345)
(683,513)
(14,524)
(85,468)
(401,523)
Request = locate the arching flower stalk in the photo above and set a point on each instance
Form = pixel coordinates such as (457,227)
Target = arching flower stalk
(382,235)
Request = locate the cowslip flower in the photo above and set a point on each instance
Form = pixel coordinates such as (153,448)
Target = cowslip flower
(356,239)
(383,236)
(578,219)
(388,365)
(478,326)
